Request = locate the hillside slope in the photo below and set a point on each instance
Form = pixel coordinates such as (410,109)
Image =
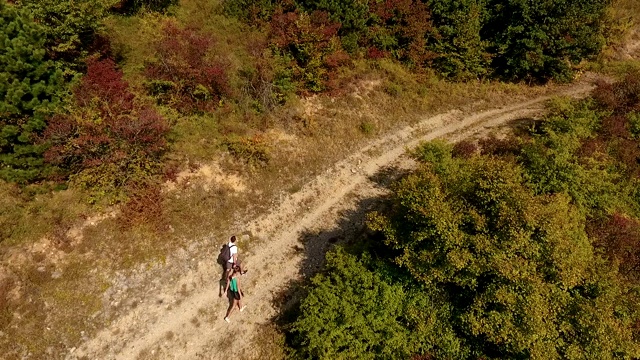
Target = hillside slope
(173,311)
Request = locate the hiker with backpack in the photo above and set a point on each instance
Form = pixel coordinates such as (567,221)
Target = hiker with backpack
(233,260)
(236,292)
(228,258)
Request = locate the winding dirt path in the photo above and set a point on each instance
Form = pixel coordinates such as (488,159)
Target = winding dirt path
(181,316)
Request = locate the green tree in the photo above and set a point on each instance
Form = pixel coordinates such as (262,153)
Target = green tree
(251,11)
(132,6)
(553,164)
(351,313)
(517,268)
(71,27)
(29,92)
(537,40)
(460,51)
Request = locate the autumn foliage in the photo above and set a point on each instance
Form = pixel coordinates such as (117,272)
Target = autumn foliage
(401,27)
(109,133)
(313,44)
(188,73)
(619,236)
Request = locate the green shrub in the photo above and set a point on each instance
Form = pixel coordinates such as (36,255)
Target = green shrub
(634,124)
(250,11)
(252,150)
(351,313)
(133,6)
(516,268)
(393,89)
(367,127)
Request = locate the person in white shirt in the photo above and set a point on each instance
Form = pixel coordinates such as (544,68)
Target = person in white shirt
(233,261)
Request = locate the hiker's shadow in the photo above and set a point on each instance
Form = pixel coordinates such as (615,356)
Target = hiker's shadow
(350,231)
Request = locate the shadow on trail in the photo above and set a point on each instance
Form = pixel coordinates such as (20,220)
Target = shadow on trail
(350,230)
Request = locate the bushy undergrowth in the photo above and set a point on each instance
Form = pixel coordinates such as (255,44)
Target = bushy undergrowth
(194,67)
(110,138)
(188,74)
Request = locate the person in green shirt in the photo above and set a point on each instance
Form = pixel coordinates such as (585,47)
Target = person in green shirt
(233,284)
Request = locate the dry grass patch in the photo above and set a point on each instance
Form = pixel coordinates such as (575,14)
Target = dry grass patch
(269,343)
(52,314)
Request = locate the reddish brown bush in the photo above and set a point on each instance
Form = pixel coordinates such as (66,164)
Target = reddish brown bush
(336,59)
(464,149)
(621,97)
(375,53)
(312,42)
(615,126)
(108,127)
(103,88)
(619,237)
(409,23)
(494,146)
(593,148)
(627,152)
(423,357)
(188,74)
(144,206)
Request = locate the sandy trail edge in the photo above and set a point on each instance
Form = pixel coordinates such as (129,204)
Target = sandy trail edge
(155,330)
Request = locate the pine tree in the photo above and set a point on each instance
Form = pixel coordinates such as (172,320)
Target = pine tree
(29,88)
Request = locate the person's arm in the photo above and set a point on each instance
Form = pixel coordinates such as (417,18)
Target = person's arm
(238,285)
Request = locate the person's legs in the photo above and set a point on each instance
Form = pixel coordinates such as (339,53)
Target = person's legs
(230,310)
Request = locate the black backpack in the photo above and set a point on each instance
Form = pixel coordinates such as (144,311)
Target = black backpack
(225,254)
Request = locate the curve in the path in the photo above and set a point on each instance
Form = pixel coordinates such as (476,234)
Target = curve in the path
(158,331)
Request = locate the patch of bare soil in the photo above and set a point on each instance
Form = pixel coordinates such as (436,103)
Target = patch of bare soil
(631,48)
(173,311)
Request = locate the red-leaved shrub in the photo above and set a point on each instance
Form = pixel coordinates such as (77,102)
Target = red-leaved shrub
(501,147)
(619,237)
(464,149)
(615,126)
(622,96)
(144,206)
(188,74)
(312,42)
(108,127)
(375,53)
(408,22)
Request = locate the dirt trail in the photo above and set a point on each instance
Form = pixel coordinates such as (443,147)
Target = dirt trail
(181,318)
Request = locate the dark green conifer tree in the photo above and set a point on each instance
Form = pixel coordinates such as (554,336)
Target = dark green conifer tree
(29,88)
